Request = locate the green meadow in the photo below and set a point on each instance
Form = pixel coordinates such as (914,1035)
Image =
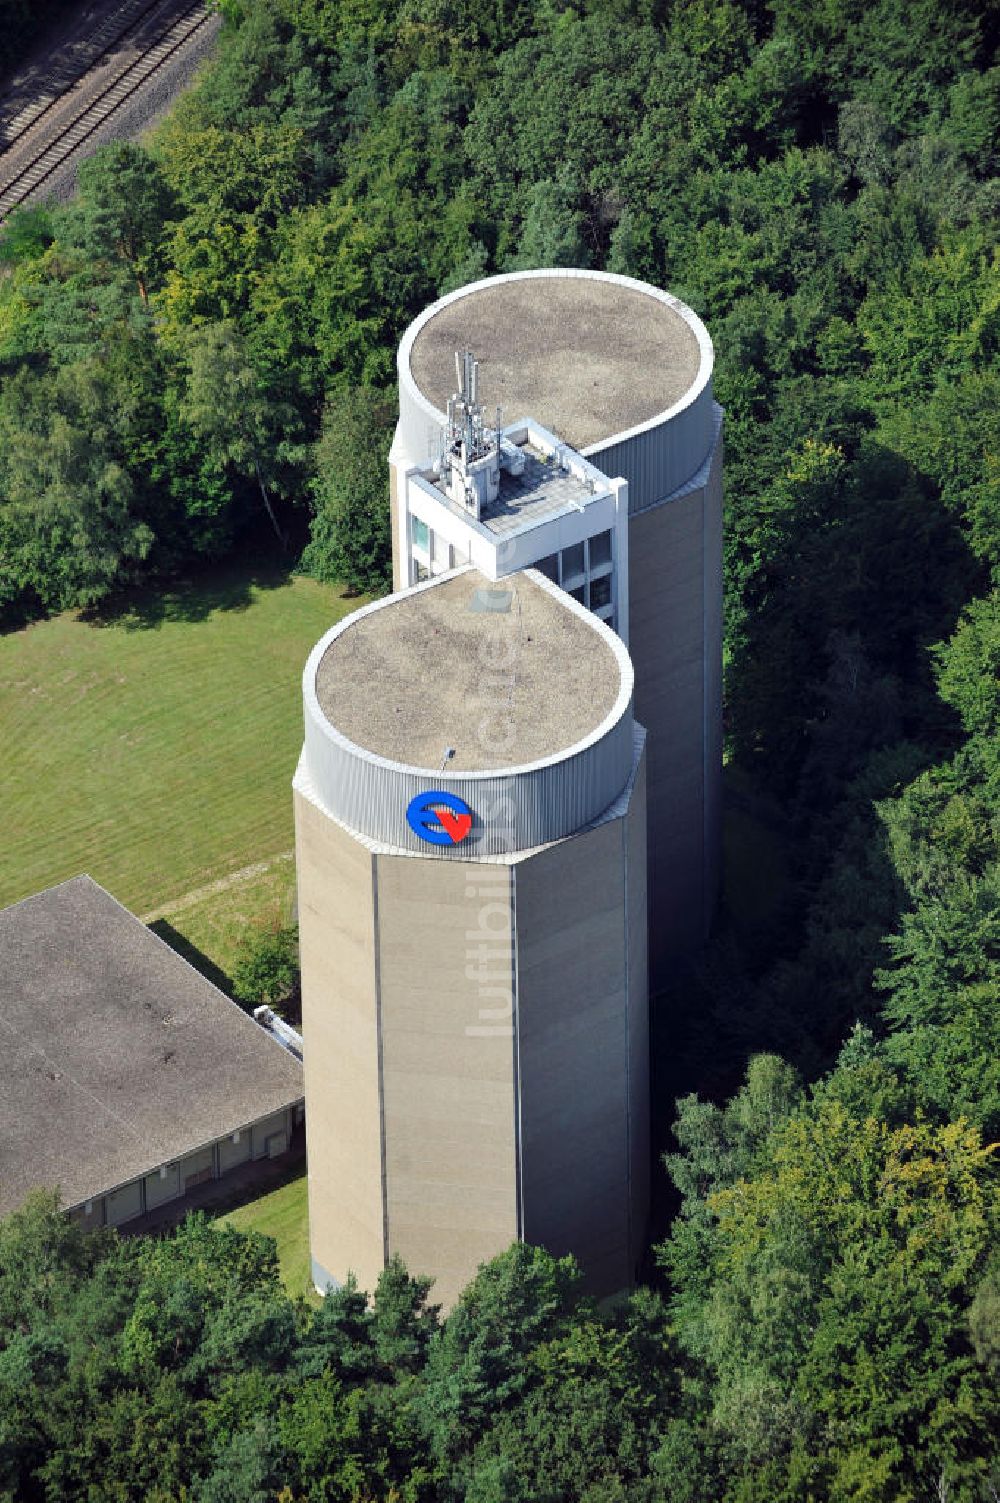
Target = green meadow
(155,749)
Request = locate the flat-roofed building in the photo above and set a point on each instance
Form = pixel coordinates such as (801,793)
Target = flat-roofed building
(126,1078)
(471,854)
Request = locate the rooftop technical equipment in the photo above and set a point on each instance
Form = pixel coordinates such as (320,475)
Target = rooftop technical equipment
(470,462)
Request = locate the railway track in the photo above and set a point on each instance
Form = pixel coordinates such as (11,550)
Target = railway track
(75,125)
(72,64)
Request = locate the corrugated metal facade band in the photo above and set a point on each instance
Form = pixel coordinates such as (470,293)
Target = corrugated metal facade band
(659,459)
(655,458)
(655,461)
(512,811)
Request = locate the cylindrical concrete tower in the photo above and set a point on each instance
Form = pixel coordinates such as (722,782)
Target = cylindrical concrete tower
(471,849)
(621,372)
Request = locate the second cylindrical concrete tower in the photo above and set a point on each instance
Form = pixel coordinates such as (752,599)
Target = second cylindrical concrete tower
(471,853)
(621,373)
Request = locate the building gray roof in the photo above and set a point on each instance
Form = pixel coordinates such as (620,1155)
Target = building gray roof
(116,1056)
(445,669)
(587,356)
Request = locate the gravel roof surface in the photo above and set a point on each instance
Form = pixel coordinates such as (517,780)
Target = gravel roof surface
(115,1055)
(585,357)
(426,672)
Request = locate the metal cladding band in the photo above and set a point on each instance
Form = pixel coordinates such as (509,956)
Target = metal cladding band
(514,808)
(655,457)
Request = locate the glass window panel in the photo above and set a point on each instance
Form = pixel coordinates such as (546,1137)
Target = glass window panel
(572,561)
(600,550)
(600,592)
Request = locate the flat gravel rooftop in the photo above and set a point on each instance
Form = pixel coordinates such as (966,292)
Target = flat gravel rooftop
(586,358)
(115,1055)
(425,672)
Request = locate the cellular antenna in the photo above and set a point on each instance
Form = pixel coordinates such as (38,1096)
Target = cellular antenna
(471,450)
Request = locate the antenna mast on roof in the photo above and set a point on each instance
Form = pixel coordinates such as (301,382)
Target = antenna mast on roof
(471,459)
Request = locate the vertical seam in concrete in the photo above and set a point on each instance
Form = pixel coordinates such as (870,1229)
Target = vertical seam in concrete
(704,711)
(381,1072)
(516,1063)
(628,1051)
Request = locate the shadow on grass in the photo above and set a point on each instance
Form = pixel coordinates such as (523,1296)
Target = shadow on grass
(192,955)
(193,598)
(245,1194)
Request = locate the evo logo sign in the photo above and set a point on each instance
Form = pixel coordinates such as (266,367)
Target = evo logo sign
(439,818)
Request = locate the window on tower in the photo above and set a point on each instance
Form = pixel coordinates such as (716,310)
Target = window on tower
(420,534)
(600,592)
(572,563)
(600,551)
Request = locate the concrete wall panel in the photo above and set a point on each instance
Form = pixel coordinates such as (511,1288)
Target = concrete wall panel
(197,1168)
(667,645)
(340,1025)
(160,1189)
(573,1050)
(268,1127)
(713,686)
(231,1154)
(398,554)
(450,1148)
(124,1204)
(636,898)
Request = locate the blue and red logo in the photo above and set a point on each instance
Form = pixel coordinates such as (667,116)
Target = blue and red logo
(439,818)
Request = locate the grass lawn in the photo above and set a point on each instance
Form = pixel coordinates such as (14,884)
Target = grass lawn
(208,930)
(283,1215)
(155,750)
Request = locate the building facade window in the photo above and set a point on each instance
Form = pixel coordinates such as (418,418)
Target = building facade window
(600,592)
(600,551)
(421,550)
(573,565)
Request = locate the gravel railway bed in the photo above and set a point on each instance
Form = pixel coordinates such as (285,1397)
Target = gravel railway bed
(138,55)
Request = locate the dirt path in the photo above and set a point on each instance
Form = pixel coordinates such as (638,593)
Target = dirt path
(221,884)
